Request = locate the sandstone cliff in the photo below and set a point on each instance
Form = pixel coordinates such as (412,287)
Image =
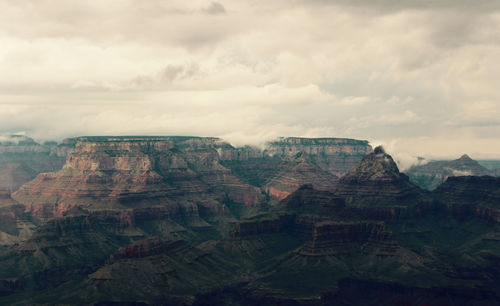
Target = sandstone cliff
(287,163)
(335,155)
(177,174)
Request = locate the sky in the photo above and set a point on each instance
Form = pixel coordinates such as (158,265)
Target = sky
(420,77)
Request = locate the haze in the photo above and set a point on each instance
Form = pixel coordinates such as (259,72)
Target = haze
(419,77)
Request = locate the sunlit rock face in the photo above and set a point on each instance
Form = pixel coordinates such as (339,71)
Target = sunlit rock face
(174,173)
(431,175)
(185,173)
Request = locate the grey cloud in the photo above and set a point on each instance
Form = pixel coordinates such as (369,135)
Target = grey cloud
(397,5)
(215,8)
(422,76)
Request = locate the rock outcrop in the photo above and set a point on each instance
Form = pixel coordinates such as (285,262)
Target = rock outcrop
(21,159)
(295,172)
(287,163)
(126,172)
(194,221)
(376,181)
(431,175)
(335,155)
(121,172)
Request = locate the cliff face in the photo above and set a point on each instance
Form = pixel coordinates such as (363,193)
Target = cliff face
(295,172)
(431,175)
(204,173)
(187,220)
(288,163)
(335,155)
(15,225)
(110,173)
(21,159)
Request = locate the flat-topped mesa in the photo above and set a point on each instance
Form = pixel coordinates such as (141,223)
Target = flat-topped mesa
(376,180)
(335,155)
(139,172)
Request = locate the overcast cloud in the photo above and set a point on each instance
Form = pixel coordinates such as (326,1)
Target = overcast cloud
(419,77)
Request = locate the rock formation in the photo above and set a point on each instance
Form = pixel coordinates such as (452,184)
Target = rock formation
(178,175)
(335,155)
(295,172)
(195,221)
(21,159)
(376,181)
(434,173)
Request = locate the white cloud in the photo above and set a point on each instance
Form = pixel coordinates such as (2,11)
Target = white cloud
(423,75)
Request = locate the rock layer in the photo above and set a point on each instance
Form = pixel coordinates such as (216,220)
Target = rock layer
(120,173)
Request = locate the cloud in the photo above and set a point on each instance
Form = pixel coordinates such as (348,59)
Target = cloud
(459,172)
(421,73)
(397,5)
(215,8)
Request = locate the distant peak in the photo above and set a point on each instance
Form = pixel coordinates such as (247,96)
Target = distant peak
(379,150)
(465,157)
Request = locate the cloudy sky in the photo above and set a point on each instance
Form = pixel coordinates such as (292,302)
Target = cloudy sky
(420,77)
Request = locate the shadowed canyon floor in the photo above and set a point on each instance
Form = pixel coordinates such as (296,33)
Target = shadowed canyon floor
(196,221)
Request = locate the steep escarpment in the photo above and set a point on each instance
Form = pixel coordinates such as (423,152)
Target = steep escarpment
(431,175)
(288,163)
(295,172)
(122,173)
(189,220)
(116,172)
(21,159)
(15,224)
(335,155)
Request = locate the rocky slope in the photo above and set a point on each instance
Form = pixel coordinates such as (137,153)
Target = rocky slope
(109,173)
(287,163)
(21,159)
(434,173)
(335,155)
(376,181)
(15,224)
(296,171)
(177,175)
(187,220)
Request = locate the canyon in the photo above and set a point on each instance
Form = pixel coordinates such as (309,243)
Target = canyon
(197,221)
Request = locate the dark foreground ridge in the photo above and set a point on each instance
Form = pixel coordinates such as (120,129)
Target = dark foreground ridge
(196,221)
